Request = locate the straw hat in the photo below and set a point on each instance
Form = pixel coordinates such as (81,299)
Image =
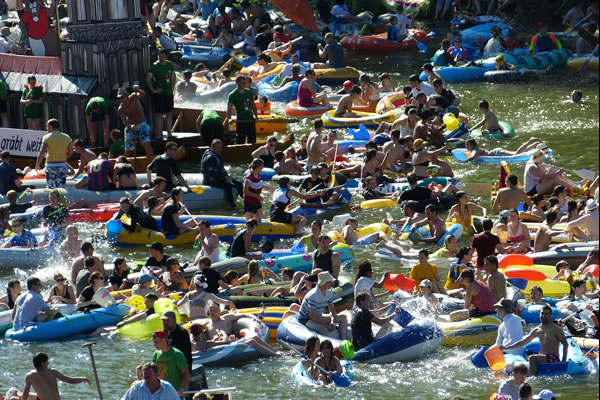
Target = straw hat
(419,144)
(325,277)
(505,304)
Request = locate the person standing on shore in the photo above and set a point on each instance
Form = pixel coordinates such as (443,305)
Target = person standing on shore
(97,111)
(132,115)
(242,101)
(32,100)
(161,81)
(57,148)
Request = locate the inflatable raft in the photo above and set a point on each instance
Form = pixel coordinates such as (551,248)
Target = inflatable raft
(506,128)
(304,262)
(322,213)
(462,155)
(366,230)
(71,325)
(530,313)
(390,101)
(380,44)
(219,94)
(6,316)
(237,352)
(293,109)
(300,375)
(573,256)
(28,258)
(483,31)
(472,331)
(369,120)
(575,61)
(212,57)
(403,185)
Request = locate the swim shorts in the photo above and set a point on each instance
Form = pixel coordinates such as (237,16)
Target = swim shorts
(532,192)
(56,175)
(141,133)
(552,358)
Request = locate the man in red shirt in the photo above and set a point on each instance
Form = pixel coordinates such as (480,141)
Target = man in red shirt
(486,243)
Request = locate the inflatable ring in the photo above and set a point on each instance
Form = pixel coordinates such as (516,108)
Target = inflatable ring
(515,259)
(390,102)
(529,274)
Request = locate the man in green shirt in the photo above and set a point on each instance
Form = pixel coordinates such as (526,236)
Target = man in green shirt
(242,101)
(210,126)
(117,148)
(171,363)
(33,100)
(161,81)
(97,110)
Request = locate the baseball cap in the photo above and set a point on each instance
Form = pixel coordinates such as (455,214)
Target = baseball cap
(144,278)
(544,395)
(160,334)
(426,283)
(329,35)
(168,315)
(504,214)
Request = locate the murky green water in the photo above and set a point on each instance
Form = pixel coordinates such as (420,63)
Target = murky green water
(533,109)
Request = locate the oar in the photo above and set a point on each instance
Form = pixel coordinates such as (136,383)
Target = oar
(89,346)
(587,62)
(338,380)
(578,25)
(583,173)
(298,199)
(333,168)
(283,46)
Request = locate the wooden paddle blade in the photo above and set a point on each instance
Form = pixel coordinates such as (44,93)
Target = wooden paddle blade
(198,189)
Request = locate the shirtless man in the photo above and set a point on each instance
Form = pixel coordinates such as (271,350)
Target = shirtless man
(313,146)
(71,246)
(509,197)
(328,146)
(124,174)
(158,191)
(545,233)
(395,153)
(287,164)
(219,331)
(344,107)
(44,380)
(437,226)
(186,89)
(87,250)
(489,121)
(551,336)
(132,115)
(495,280)
(85,156)
(351,237)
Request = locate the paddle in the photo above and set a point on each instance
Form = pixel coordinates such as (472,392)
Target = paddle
(338,380)
(583,173)
(283,46)
(89,346)
(587,62)
(578,25)
(298,199)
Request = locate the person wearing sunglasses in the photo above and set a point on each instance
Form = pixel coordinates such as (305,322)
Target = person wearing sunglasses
(86,298)
(267,152)
(22,238)
(61,292)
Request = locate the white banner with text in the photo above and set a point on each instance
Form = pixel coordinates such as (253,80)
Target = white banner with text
(21,142)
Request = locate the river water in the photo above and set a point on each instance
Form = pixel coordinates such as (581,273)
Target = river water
(534,109)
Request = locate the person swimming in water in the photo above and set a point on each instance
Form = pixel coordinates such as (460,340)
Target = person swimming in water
(576,98)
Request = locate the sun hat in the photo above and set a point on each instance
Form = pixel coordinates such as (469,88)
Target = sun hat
(426,283)
(538,156)
(418,144)
(505,304)
(591,204)
(325,277)
(544,395)
(122,92)
(144,278)
(348,85)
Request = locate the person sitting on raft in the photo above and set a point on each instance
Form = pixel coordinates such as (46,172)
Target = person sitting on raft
(489,122)
(437,226)
(363,281)
(287,163)
(425,270)
(333,52)
(171,225)
(370,93)
(370,191)
(476,151)
(311,351)
(281,200)
(551,337)
(479,299)
(503,65)
(344,106)
(421,158)
(307,91)
(241,243)
(22,238)
(325,259)
(510,196)
(539,179)
(328,361)
(85,301)
(314,304)
(296,75)
(349,232)
(461,212)
(543,41)
(311,241)
(136,216)
(586,227)
(362,317)
(198,298)
(454,286)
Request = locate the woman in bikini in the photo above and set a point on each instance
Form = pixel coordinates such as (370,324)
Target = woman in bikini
(61,292)
(461,212)
(518,234)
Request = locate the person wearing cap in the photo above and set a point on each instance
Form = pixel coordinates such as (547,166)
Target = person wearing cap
(486,243)
(544,394)
(543,41)
(346,87)
(171,362)
(539,179)
(136,215)
(186,89)
(332,51)
(144,286)
(421,158)
(7,45)
(510,196)
(458,52)
(551,337)
(586,227)
(97,111)
(22,238)
(178,337)
(132,114)
(479,299)
(314,304)
(518,376)
(511,328)
(503,65)
(362,318)
(426,291)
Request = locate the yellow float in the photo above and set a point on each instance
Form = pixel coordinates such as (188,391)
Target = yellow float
(369,120)
(378,203)
(472,331)
(268,124)
(143,330)
(367,230)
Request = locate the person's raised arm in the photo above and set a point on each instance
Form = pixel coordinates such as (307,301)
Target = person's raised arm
(304,196)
